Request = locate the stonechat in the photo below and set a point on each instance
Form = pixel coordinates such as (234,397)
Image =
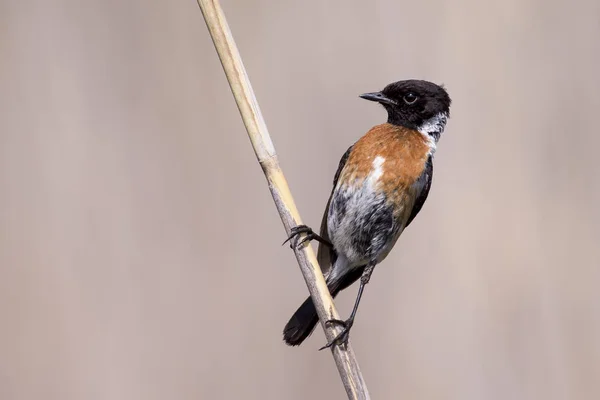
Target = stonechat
(380,186)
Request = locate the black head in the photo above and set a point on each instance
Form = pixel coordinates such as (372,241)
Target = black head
(414,104)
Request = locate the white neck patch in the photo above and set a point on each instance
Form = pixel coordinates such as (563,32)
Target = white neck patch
(433,128)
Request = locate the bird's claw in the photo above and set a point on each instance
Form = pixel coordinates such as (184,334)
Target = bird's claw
(342,338)
(310,235)
(297,230)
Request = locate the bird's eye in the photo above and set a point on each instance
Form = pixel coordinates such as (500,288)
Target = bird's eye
(410,98)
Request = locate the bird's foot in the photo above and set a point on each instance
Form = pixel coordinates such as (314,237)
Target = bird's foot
(342,338)
(310,235)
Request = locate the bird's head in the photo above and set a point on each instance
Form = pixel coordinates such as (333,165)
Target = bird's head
(415,104)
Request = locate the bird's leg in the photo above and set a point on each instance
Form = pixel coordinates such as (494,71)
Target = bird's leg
(310,235)
(342,337)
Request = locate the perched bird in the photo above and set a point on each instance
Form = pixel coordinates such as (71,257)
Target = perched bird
(380,186)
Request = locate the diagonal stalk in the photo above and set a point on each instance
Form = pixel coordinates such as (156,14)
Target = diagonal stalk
(265,152)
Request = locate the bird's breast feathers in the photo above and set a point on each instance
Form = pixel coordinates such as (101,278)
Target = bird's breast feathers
(376,191)
(388,160)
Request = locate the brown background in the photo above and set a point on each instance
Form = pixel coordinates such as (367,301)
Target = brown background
(140,251)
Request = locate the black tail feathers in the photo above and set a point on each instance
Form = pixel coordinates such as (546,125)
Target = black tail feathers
(302,323)
(304,320)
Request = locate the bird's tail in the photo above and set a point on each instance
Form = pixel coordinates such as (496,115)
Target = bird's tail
(304,320)
(302,323)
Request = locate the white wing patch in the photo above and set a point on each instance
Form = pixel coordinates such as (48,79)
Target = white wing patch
(377,170)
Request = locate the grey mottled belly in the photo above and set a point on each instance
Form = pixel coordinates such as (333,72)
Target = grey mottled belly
(362,225)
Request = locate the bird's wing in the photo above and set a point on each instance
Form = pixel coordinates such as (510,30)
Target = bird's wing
(425,182)
(325,254)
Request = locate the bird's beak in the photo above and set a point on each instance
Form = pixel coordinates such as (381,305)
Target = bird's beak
(378,97)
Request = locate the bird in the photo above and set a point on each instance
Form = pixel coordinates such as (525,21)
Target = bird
(381,184)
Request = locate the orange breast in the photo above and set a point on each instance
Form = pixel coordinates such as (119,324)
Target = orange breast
(404,152)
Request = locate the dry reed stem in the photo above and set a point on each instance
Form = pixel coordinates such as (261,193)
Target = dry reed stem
(265,152)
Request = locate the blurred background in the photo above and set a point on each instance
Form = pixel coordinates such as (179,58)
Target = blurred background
(140,250)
